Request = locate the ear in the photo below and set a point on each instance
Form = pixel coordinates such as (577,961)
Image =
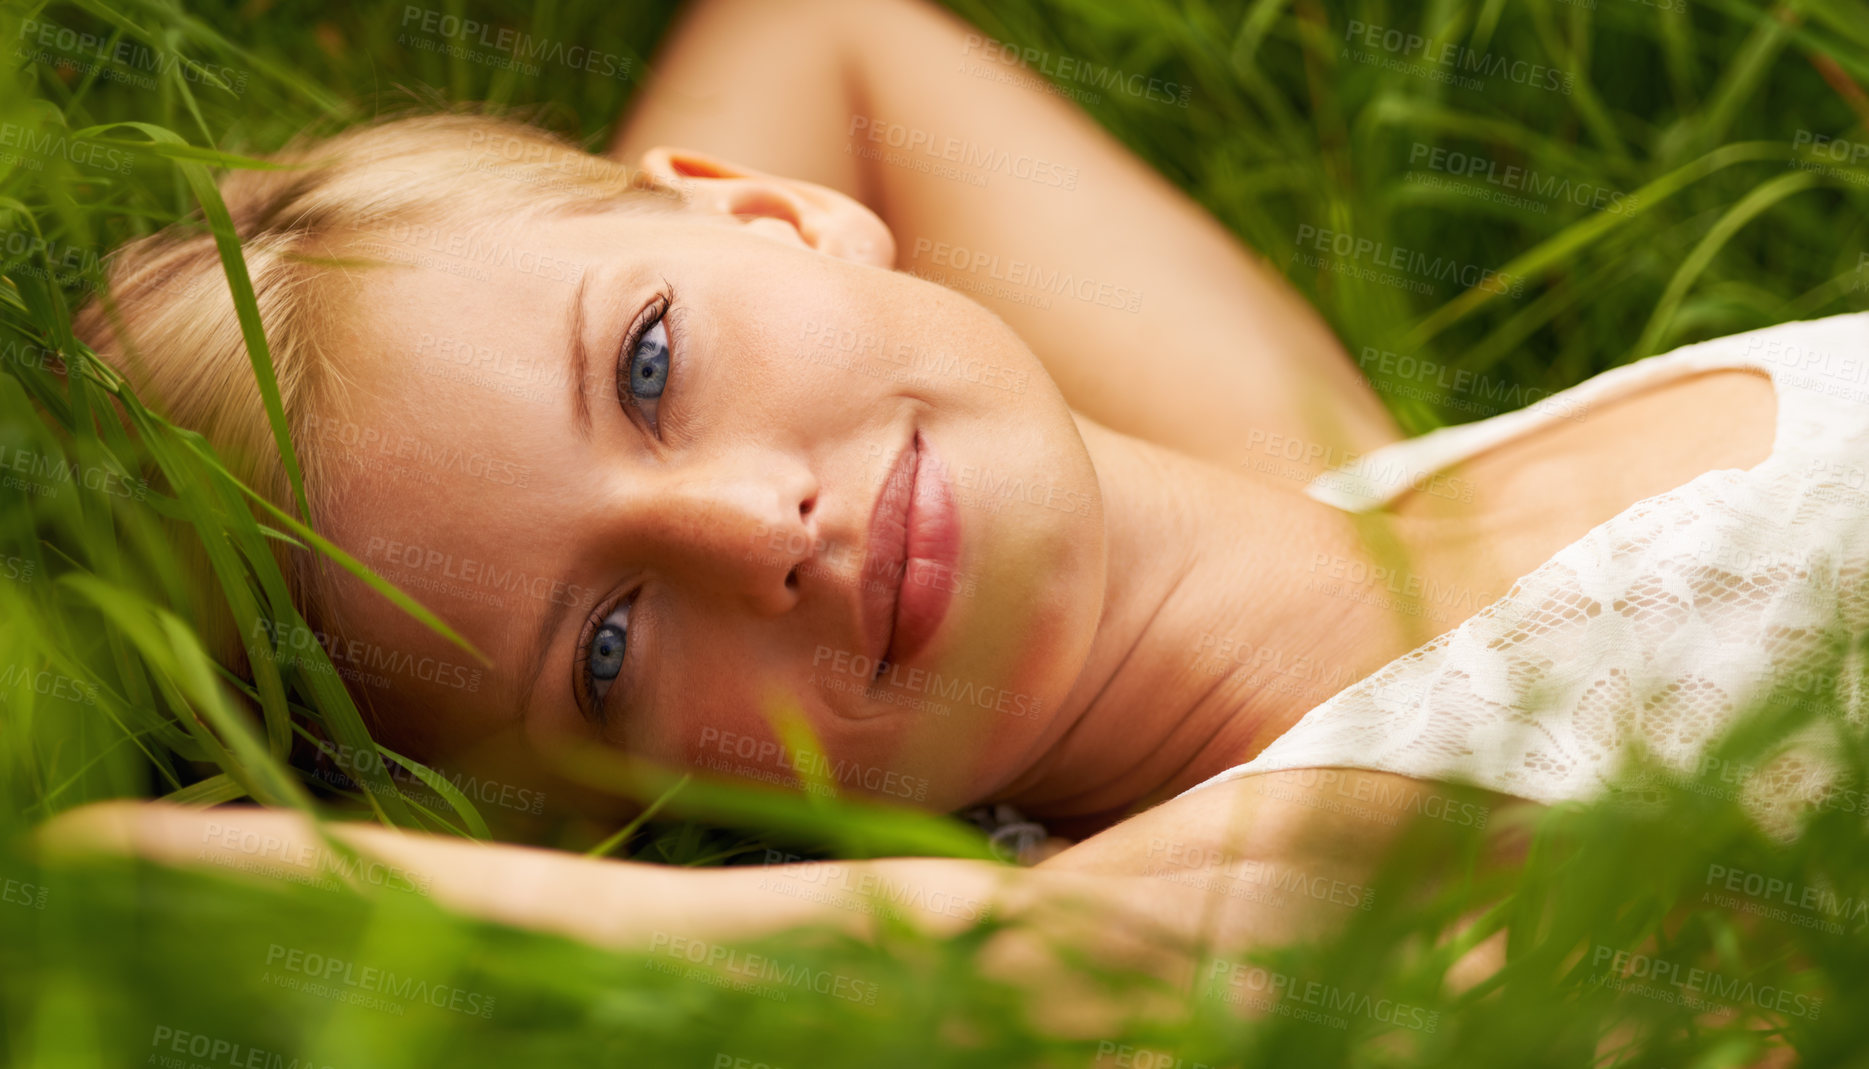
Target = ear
(783,208)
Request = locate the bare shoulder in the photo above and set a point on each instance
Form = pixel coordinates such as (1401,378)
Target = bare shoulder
(1627,447)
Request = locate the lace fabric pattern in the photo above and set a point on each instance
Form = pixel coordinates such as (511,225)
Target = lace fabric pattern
(1652,631)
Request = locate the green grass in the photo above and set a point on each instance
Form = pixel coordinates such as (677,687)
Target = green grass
(1686,127)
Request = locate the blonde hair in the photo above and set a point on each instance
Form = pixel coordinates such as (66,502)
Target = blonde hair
(166,319)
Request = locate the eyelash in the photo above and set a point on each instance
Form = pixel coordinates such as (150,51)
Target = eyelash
(587,684)
(659,312)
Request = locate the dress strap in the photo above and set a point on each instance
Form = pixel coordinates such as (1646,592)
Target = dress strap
(1378,477)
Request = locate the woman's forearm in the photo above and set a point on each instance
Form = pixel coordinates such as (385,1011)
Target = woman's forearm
(1052,921)
(1178,893)
(618,904)
(613,903)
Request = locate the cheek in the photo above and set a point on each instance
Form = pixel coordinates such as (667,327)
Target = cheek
(718,705)
(728,718)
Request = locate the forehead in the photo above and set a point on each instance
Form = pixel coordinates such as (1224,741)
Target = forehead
(450,439)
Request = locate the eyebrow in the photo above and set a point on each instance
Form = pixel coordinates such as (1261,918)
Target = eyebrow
(553,617)
(549,622)
(580,358)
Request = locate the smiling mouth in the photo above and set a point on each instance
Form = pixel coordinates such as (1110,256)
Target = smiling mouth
(914,547)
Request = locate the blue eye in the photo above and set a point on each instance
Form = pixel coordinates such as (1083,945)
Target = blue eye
(645,374)
(604,660)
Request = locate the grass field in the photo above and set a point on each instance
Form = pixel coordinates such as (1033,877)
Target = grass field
(1489,200)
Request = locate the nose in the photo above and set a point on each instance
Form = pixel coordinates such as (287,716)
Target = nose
(744,526)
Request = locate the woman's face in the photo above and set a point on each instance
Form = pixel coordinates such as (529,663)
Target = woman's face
(677,471)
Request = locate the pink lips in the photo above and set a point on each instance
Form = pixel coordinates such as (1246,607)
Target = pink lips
(914,546)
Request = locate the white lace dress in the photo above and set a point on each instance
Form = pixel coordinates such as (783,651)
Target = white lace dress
(1653,629)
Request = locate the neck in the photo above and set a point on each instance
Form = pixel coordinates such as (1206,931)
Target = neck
(1223,623)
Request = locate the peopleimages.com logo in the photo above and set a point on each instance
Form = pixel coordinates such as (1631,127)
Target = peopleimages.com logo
(924,681)
(369,978)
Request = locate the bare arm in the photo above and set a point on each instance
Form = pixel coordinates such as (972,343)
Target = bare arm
(1159,891)
(691,915)
(1165,327)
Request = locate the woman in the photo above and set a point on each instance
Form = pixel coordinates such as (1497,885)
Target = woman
(677,448)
